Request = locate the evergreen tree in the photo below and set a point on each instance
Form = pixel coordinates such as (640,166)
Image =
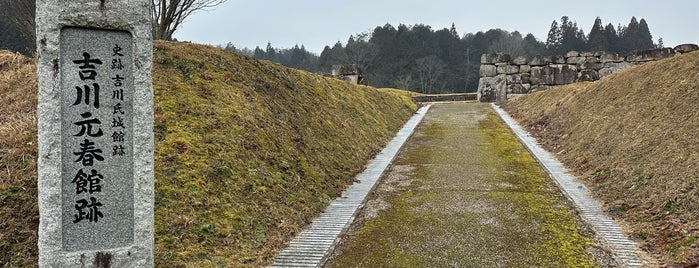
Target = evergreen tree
(532,46)
(230,47)
(553,41)
(259,53)
(597,39)
(332,56)
(613,41)
(572,38)
(645,39)
(630,37)
(452,31)
(660,43)
(270,53)
(324,59)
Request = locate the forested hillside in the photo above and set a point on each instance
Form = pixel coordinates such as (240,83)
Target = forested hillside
(414,57)
(422,59)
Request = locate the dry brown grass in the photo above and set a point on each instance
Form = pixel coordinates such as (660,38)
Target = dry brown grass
(633,138)
(18,208)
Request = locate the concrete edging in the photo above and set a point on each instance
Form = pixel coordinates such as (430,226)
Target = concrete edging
(311,247)
(625,251)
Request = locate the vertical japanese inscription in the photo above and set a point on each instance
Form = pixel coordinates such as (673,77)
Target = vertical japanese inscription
(97,138)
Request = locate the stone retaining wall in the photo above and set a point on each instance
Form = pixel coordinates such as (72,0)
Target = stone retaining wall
(504,76)
(445,97)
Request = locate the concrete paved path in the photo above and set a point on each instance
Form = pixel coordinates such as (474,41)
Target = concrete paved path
(625,251)
(464,192)
(313,245)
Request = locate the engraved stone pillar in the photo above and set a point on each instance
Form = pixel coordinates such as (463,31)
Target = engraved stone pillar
(95,133)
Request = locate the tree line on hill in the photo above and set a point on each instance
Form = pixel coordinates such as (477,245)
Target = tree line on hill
(421,59)
(415,57)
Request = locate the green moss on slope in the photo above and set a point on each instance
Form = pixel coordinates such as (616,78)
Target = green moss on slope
(249,151)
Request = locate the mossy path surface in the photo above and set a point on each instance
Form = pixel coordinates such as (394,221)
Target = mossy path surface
(463,192)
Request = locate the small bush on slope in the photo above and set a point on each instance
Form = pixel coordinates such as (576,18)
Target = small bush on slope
(633,138)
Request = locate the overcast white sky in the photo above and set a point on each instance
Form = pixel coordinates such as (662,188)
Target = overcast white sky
(316,23)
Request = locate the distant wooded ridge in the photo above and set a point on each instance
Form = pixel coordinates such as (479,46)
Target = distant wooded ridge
(421,59)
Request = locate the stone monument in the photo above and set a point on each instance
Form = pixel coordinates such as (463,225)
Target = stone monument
(95,133)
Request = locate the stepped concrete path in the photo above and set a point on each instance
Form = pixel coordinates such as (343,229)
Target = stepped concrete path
(462,192)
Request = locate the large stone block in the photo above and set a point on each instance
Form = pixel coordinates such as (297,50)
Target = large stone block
(512,69)
(587,54)
(592,66)
(540,60)
(490,89)
(605,72)
(617,65)
(514,79)
(558,59)
(650,55)
(542,75)
(345,69)
(488,58)
(503,58)
(588,75)
(520,60)
(576,60)
(591,59)
(488,70)
(685,48)
(526,78)
(564,74)
(572,53)
(524,68)
(611,57)
(508,69)
(612,67)
(495,58)
(516,89)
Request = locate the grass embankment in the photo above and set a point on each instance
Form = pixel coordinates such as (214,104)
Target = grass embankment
(464,192)
(247,152)
(633,138)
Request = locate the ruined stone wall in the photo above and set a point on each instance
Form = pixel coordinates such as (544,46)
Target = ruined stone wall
(350,73)
(503,76)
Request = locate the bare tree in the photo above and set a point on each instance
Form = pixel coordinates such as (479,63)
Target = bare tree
(167,15)
(430,70)
(22,14)
(508,43)
(404,82)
